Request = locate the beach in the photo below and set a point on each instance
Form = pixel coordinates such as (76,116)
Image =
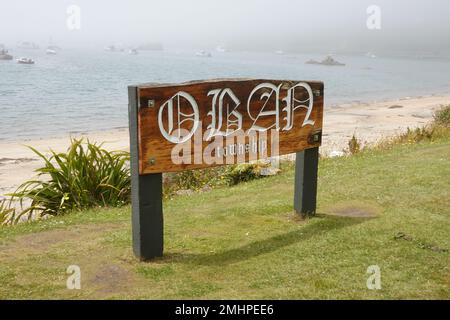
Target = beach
(370,122)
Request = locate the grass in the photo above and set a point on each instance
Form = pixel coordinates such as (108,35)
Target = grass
(246,242)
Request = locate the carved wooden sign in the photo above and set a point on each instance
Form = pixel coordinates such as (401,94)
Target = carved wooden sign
(199,124)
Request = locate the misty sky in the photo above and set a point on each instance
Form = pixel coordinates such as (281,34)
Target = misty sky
(295,25)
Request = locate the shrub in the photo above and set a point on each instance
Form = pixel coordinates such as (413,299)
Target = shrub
(430,132)
(442,116)
(243,173)
(192,180)
(214,177)
(86,176)
(354,146)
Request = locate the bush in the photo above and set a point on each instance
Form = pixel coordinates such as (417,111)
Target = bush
(354,146)
(442,116)
(243,173)
(86,176)
(213,177)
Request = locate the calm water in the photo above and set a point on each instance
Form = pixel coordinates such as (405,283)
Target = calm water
(78,91)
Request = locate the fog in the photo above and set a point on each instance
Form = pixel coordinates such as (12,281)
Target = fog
(407,26)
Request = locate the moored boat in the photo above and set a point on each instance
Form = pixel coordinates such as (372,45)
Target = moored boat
(4,55)
(50,52)
(133,52)
(328,61)
(25,61)
(203,53)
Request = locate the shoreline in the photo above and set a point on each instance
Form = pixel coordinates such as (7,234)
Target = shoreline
(369,121)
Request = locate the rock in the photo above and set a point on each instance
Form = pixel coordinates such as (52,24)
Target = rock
(270,171)
(336,153)
(186,192)
(206,188)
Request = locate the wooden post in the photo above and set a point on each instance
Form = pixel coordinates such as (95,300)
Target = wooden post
(305,192)
(146,196)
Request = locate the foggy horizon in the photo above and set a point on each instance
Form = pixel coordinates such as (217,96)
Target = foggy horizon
(293,26)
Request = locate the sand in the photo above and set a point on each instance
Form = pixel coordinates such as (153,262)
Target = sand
(370,122)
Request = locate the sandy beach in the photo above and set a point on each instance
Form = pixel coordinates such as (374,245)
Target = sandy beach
(370,122)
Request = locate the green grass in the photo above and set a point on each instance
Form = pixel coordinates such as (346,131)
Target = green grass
(246,242)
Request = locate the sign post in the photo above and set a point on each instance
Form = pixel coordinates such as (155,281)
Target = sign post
(194,125)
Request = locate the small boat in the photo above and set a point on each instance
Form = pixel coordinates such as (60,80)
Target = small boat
(221,49)
(50,52)
(133,52)
(114,48)
(25,61)
(328,61)
(280,52)
(203,53)
(4,55)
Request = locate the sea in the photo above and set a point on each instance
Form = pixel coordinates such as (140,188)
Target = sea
(78,91)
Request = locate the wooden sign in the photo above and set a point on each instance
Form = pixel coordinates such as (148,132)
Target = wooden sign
(205,123)
(200,124)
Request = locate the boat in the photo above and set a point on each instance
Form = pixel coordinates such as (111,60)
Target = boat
(4,55)
(221,49)
(203,53)
(50,52)
(133,52)
(114,48)
(280,52)
(328,61)
(25,61)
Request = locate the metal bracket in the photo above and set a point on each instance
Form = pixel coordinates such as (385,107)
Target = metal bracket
(315,137)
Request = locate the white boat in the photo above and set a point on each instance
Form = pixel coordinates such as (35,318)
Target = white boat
(114,48)
(50,52)
(221,49)
(133,52)
(279,52)
(203,53)
(25,61)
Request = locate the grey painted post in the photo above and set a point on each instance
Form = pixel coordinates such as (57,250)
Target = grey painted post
(305,192)
(146,196)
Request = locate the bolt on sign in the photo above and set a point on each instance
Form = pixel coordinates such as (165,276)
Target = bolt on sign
(200,124)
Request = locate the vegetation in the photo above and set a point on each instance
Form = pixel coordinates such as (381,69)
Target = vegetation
(436,130)
(354,145)
(244,172)
(6,212)
(86,176)
(198,180)
(442,116)
(380,207)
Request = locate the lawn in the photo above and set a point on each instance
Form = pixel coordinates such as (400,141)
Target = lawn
(385,208)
